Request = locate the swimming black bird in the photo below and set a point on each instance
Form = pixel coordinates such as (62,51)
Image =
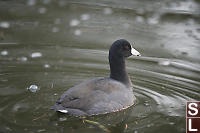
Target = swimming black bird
(102,95)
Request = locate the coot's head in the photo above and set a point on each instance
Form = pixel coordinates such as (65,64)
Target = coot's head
(122,48)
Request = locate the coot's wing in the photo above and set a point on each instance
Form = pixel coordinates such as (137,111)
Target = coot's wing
(79,91)
(76,97)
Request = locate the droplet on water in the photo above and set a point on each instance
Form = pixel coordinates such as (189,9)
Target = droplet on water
(23,59)
(74,22)
(164,63)
(77,32)
(171,123)
(146,103)
(4,25)
(36,54)
(46,65)
(8,128)
(148,125)
(41,130)
(85,16)
(62,119)
(139,19)
(153,20)
(33,88)
(4,52)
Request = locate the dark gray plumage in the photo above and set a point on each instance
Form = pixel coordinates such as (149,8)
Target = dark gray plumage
(102,95)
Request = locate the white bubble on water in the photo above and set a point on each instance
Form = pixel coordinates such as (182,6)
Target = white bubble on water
(150,125)
(16,107)
(23,59)
(146,104)
(85,17)
(153,20)
(42,10)
(55,29)
(74,22)
(62,119)
(107,11)
(77,32)
(46,65)
(36,54)
(4,24)
(41,130)
(4,52)
(33,88)
(9,129)
(171,123)
(139,19)
(164,63)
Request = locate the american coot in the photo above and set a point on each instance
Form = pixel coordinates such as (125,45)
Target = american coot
(102,95)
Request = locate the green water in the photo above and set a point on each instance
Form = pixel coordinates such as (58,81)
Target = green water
(72,39)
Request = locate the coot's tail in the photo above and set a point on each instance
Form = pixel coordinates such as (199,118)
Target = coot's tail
(70,111)
(59,108)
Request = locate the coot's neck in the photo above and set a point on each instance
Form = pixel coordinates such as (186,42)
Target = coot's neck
(118,70)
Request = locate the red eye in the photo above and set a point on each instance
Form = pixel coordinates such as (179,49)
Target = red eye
(126,47)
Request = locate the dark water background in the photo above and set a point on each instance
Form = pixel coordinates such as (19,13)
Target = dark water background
(56,44)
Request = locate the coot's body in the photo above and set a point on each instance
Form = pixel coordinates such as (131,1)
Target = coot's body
(99,96)
(102,95)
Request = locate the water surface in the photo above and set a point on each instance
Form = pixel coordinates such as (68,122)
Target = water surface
(58,44)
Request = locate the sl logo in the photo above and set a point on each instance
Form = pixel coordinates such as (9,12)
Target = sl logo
(193,117)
